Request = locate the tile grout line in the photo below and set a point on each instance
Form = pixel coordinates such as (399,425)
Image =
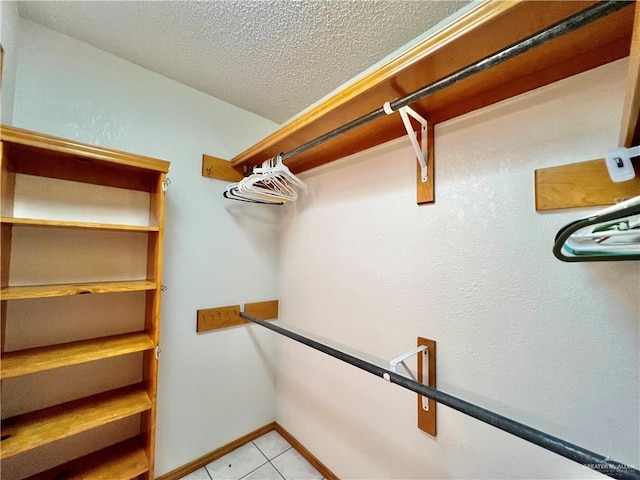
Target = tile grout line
(259,466)
(276,469)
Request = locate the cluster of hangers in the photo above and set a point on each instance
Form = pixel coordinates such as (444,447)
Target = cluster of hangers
(610,234)
(271,184)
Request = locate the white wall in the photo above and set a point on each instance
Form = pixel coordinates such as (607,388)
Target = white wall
(551,344)
(8,23)
(213,387)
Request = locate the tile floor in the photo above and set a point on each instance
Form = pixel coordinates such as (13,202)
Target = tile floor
(269,457)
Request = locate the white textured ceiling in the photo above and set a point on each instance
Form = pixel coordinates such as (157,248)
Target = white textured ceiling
(271,57)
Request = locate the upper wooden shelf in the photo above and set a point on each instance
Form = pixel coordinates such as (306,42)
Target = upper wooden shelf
(32,153)
(487,28)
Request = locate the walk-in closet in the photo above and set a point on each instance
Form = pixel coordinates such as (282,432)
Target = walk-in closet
(307,240)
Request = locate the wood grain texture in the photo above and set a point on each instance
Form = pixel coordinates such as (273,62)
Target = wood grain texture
(63,146)
(38,359)
(630,127)
(582,184)
(426,191)
(65,289)
(36,222)
(484,30)
(214,167)
(208,319)
(184,470)
(122,461)
(427,419)
(35,429)
(155,245)
(263,310)
(302,450)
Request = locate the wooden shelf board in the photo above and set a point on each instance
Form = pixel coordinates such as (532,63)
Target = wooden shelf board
(32,430)
(482,31)
(59,145)
(36,222)
(124,461)
(65,289)
(582,184)
(38,359)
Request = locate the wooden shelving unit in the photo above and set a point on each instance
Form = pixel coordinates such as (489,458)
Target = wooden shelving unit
(26,155)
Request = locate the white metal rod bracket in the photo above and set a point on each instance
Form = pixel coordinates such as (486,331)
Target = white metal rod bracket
(419,149)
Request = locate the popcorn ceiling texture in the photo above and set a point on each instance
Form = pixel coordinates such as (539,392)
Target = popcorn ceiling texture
(273,58)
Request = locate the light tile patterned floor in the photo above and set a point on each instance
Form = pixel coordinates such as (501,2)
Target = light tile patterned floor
(269,457)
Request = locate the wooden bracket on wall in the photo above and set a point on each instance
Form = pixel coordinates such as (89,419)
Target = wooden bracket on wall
(586,184)
(214,167)
(427,416)
(223,317)
(426,191)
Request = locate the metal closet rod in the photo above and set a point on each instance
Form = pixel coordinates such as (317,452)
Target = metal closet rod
(578,454)
(571,23)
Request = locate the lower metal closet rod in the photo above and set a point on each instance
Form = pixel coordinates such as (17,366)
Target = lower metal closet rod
(578,454)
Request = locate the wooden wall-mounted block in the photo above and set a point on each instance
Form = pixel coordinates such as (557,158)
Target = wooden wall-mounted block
(221,169)
(263,310)
(583,184)
(223,317)
(426,191)
(427,418)
(219,317)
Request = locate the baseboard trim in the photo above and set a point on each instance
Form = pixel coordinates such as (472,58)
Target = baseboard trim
(185,470)
(180,472)
(317,464)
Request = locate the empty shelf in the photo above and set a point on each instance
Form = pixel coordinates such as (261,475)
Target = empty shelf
(61,290)
(37,222)
(33,360)
(124,461)
(34,429)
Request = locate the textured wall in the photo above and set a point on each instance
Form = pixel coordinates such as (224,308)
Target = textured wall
(550,344)
(8,23)
(216,253)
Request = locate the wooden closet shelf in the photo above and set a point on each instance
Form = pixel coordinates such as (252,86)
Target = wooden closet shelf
(487,28)
(61,290)
(62,146)
(31,430)
(38,359)
(37,222)
(124,461)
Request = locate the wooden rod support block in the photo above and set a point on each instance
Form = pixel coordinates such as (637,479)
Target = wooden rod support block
(426,191)
(427,418)
(223,317)
(263,310)
(214,167)
(582,184)
(219,317)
